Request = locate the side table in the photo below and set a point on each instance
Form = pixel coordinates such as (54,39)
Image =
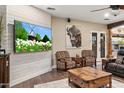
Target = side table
(104,61)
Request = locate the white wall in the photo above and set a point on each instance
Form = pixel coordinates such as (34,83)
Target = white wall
(26,65)
(58,27)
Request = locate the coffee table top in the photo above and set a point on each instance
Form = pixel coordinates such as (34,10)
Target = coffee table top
(88,73)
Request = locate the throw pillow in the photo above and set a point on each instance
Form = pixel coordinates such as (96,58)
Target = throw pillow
(119,59)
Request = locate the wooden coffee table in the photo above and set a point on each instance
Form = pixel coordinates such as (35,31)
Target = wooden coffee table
(88,77)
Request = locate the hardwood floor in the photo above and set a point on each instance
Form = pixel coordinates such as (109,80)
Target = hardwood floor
(47,77)
(51,76)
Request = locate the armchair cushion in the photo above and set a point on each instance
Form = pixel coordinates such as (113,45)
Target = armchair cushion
(120,68)
(62,60)
(90,59)
(65,59)
(111,66)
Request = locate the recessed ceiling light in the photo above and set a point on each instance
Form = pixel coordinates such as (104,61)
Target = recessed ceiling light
(51,8)
(106,15)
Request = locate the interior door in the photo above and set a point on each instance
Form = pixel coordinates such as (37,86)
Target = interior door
(102,45)
(98,45)
(94,43)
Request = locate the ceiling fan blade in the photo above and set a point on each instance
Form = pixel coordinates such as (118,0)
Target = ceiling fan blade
(121,6)
(100,9)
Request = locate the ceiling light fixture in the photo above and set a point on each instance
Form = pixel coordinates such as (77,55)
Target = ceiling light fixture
(115,12)
(106,15)
(51,8)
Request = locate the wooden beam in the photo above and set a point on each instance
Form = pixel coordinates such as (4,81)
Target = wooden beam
(109,43)
(112,25)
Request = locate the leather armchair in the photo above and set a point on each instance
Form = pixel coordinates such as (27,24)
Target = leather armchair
(63,60)
(88,58)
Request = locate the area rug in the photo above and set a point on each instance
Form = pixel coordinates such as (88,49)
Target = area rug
(63,83)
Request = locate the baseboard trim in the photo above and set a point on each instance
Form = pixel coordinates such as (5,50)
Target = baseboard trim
(54,66)
(17,81)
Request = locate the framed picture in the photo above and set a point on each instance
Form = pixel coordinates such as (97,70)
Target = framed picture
(31,38)
(73,37)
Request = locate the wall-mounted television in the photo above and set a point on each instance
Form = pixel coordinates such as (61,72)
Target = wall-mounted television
(31,38)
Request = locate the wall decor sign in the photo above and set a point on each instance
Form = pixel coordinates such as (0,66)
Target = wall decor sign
(73,37)
(31,38)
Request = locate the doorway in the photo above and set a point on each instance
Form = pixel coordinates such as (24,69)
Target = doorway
(99,44)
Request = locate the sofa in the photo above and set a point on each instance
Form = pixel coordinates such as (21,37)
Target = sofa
(116,66)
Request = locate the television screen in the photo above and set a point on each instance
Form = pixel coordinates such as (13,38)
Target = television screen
(31,38)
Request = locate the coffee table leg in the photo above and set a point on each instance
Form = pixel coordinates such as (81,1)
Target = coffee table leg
(110,82)
(102,66)
(68,80)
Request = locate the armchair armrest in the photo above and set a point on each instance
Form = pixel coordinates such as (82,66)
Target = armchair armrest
(61,59)
(111,60)
(73,58)
(64,59)
(94,56)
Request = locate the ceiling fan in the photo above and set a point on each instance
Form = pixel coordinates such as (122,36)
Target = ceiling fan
(113,7)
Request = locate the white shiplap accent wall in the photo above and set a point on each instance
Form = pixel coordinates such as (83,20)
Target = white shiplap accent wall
(28,14)
(27,65)
(3,33)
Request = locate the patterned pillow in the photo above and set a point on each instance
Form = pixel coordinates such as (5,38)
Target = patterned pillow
(119,59)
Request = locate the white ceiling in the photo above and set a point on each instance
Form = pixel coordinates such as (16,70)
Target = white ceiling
(82,12)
